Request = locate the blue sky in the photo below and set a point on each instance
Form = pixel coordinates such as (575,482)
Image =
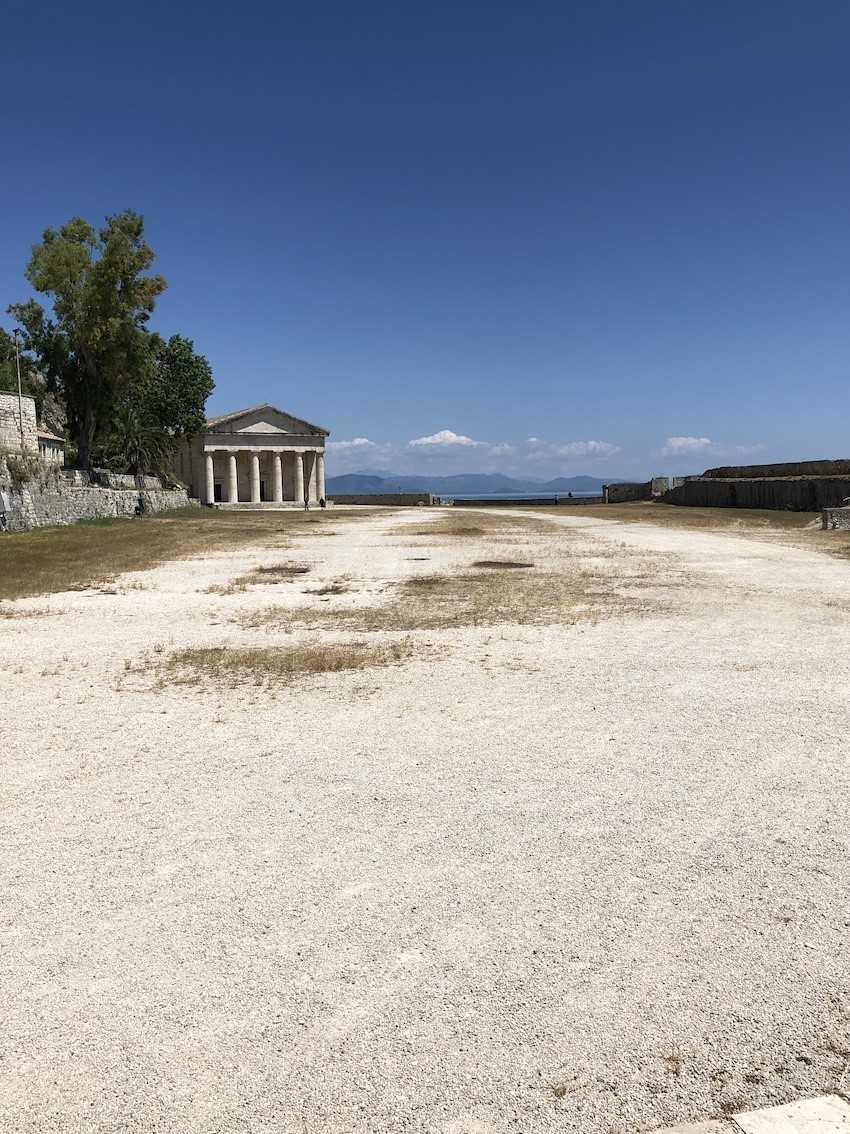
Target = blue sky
(621,230)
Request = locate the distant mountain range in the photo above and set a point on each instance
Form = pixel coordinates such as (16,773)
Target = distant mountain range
(462,484)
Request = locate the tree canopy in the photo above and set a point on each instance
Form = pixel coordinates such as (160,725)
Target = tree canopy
(94,348)
(165,405)
(8,369)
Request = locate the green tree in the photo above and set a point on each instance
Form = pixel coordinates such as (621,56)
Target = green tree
(161,408)
(95,345)
(8,369)
(177,386)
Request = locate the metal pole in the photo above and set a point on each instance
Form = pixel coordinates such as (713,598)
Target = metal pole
(16,332)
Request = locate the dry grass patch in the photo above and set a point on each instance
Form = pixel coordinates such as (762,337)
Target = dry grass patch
(276,665)
(451,524)
(500,564)
(336,587)
(23,611)
(485,598)
(276,573)
(93,552)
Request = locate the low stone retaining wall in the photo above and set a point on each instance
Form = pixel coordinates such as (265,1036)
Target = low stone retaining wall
(48,496)
(400,499)
(521,501)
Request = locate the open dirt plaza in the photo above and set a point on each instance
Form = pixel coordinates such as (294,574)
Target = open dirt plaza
(444,821)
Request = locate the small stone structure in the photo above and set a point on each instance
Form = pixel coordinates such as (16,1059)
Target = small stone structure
(14,438)
(831,518)
(625,493)
(50,447)
(32,438)
(257,456)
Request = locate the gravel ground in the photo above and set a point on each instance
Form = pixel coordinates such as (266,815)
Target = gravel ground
(587,877)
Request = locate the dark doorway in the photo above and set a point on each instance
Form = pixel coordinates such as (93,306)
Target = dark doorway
(217,496)
(262,490)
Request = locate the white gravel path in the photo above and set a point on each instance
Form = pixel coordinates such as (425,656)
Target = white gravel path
(489,890)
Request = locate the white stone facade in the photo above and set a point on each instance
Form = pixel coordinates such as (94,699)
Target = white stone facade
(255,456)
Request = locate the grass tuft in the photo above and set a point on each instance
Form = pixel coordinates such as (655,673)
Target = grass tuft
(499,564)
(276,665)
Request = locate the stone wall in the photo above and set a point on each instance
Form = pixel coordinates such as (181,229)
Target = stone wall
(796,494)
(401,499)
(36,494)
(522,501)
(10,424)
(789,468)
(623,493)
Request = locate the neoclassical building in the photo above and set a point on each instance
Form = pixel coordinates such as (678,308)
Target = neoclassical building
(255,456)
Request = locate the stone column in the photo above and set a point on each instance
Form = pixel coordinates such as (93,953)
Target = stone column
(299,478)
(255,478)
(277,478)
(210,485)
(310,476)
(320,475)
(233,482)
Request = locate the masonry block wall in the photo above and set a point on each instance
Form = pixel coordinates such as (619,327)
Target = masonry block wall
(51,496)
(796,494)
(623,493)
(10,428)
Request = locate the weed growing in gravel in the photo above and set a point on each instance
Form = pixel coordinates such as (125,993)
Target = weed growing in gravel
(276,573)
(337,587)
(480,598)
(276,665)
(674,1059)
(23,612)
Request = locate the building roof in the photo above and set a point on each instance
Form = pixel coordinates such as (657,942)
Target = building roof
(222,419)
(45,435)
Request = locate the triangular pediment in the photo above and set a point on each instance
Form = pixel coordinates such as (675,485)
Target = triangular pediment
(265,418)
(261,427)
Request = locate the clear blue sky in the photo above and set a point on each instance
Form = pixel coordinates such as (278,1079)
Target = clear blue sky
(607,223)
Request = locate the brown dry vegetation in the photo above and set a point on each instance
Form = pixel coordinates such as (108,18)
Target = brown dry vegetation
(23,611)
(482,525)
(91,553)
(562,592)
(276,573)
(794,529)
(276,665)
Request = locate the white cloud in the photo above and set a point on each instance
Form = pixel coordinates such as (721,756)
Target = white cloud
(682,446)
(552,450)
(503,449)
(444,437)
(355,443)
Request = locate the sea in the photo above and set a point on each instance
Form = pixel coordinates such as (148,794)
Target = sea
(511,495)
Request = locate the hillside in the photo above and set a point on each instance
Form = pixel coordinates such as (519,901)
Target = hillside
(460,484)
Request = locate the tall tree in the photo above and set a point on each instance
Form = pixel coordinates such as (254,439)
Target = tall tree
(162,407)
(94,345)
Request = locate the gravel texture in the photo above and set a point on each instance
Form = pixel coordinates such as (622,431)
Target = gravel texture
(587,877)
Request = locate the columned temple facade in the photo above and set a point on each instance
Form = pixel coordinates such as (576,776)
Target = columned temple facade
(255,456)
